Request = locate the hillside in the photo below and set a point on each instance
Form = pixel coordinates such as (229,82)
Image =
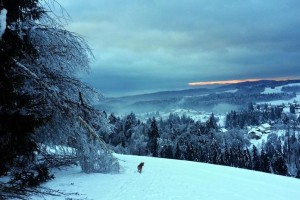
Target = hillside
(229,97)
(174,180)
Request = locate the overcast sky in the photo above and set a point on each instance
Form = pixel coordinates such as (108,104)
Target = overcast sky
(151,45)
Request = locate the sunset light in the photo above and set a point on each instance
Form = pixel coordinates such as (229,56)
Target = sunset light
(238,81)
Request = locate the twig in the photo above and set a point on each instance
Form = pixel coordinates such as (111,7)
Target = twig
(13,192)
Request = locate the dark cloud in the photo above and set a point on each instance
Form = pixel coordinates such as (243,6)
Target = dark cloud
(153,45)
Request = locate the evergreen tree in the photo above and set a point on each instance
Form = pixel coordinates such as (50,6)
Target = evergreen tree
(190,154)
(292,109)
(17,121)
(214,152)
(177,152)
(166,152)
(233,157)
(279,165)
(250,107)
(130,122)
(227,158)
(212,123)
(247,159)
(42,102)
(255,159)
(241,158)
(153,137)
(285,119)
(265,161)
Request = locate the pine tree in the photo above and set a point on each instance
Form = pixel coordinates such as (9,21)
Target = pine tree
(42,102)
(246,160)
(227,158)
(130,122)
(212,122)
(166,152)
(214,152)
(255,159)
(250,107)
(153,137)
(241,161)
(17,123)
(279,165)
(292,109)
(265,161)
(177,152)
(190,153)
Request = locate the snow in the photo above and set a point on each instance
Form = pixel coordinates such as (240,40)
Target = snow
(3,13)
(293,84)
(264,138)
(228,91)
(174,180)
(269,90)
(201,116)
(278,89)
(280,102)
(266,126)
(258,142)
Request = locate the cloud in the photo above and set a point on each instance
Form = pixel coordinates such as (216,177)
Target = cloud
(154,44)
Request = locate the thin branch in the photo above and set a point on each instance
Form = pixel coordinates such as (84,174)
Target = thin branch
(23,193)
(25,69)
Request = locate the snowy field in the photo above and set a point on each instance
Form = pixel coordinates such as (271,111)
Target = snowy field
(280,102)
(164,179)
(278,89)
(201,116)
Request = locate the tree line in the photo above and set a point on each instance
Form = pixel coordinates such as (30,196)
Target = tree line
(240,99)
(180,137)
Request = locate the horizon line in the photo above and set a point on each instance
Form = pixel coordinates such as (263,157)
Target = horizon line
(226,82)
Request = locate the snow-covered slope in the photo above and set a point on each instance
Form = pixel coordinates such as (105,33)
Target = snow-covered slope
(175,180)
(279,88)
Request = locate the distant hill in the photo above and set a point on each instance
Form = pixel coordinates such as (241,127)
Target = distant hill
(166,94)
(261,83)
(239,94)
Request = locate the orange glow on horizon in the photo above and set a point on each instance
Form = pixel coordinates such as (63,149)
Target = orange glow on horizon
(238,81)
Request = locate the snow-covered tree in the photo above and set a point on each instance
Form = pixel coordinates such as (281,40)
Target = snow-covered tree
(153,136)
(278,164)
(256,165)
(265,161)
(17,118)
(42,100)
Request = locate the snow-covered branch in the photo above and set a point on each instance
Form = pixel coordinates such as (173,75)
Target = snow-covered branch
(94,134)
(25,69)
(40,61)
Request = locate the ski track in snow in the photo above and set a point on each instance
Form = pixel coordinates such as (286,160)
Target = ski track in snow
(173,180)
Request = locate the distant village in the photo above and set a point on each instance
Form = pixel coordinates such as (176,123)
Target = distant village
(258,131)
